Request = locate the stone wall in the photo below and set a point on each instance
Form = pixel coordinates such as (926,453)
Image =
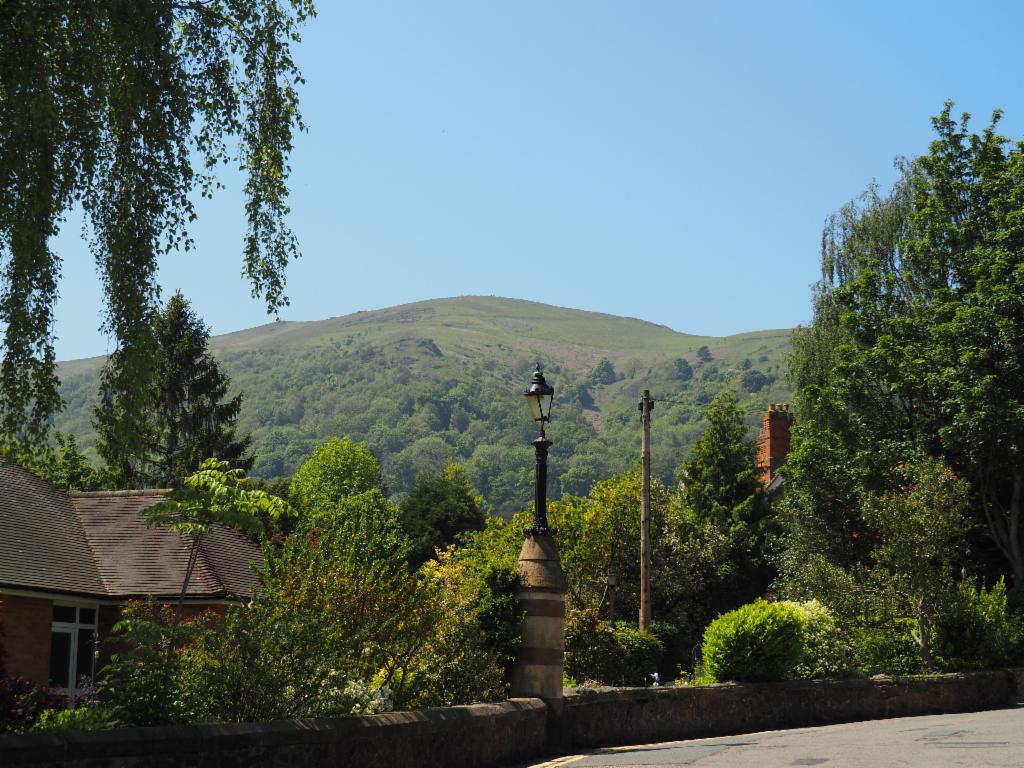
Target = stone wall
(472,736)
(607,717)
(518,730)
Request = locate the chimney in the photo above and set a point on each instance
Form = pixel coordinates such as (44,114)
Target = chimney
(774,443)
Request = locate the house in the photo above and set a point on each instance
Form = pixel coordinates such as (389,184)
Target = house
(773,446)
(69,562)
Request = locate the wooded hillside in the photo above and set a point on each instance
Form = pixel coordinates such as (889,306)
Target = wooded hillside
(425,381)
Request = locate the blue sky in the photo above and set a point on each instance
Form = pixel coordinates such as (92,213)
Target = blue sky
(672,161)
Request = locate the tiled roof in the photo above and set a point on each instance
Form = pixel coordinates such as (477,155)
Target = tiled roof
(99,544)
(135,559)
(42,544)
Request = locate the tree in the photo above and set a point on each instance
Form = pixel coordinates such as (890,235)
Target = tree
(721,488)
(127,108)
(603,372)
(440,507)
(66,467)
(337,469)
(684,371)
(188,419)
(215,494)
(921,535)
(704,354)
(918,334)
(720,477)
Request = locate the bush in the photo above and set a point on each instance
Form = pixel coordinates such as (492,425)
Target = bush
(757,642)
(887,650)
(640,655)
(590,648)
(978,630)
(77,719)
(20,704)
(826,653)
(596,652)
(141,681)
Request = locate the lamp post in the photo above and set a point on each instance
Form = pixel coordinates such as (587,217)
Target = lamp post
(539,396)
(541,590)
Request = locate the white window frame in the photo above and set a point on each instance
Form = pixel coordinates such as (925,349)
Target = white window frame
(73,628)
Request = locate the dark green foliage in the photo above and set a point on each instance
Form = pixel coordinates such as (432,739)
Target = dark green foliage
(704,354)
(753,380)
(758,642)
(186,418)
(603,372)
(126,108)
(978,629)
(21,703)
(142,679)
(500,615)
(597,652)
(886,650)
(640,655)
(684,371)
(66,467)
(440,507)
(720,476)
(193,420)
(721,488)
(917,327)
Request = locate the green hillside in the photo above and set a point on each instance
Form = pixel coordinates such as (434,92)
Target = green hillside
(425,381)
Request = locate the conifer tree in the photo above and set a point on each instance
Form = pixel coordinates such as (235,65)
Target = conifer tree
(188,419)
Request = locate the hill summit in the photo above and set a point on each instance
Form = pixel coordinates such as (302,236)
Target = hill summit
(435,379)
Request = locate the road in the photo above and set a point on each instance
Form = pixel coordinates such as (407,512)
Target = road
(972,740)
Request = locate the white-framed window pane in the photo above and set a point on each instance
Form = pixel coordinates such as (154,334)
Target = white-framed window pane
(60,659)
(84,656)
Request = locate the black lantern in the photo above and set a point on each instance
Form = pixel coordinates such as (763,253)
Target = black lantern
(539,396)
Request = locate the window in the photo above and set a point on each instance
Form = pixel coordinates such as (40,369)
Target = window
(72,647)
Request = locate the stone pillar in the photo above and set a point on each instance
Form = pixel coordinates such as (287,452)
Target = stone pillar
(538,670)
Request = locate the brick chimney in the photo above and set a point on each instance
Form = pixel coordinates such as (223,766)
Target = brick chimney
(774,443)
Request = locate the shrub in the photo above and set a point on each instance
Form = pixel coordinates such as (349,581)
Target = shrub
(759,641)
(590,648)
(826,653)
(20,704)
(978,630)
(141,681)
(640,655)
(77,719)
(596,652)
(888,650)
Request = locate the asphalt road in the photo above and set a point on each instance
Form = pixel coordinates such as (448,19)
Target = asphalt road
(972,740)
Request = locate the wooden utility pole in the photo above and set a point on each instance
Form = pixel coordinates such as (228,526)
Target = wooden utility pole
(646,406)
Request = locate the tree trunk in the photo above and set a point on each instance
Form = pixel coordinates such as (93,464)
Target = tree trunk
(925,641)
(193,555)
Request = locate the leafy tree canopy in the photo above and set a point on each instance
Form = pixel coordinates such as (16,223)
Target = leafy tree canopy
(916,346)
(440,507)
(603,372)
(126,108)
(337,469)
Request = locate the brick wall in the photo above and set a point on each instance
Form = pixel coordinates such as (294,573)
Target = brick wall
(26,623)
(773,445)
